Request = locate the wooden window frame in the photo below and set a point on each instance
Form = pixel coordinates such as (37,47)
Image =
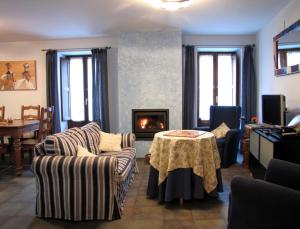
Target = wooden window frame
(215,80)
(85,58)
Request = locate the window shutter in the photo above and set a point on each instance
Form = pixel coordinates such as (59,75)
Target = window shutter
(65,88)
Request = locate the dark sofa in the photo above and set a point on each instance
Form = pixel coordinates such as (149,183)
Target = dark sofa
(272,203)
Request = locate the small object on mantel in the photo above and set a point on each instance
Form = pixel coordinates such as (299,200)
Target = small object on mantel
(10,120)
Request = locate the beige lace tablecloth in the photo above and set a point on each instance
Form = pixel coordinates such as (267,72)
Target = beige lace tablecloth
(201,154)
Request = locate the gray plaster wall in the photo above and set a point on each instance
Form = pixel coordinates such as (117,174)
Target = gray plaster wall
(149,77)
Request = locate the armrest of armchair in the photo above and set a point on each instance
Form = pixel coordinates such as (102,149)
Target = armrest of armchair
(232,139)
(260,204)
(128,140)
(283,173)
(228,147)
(233,134)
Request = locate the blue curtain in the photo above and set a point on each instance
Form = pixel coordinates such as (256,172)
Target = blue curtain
(52,88)
(189,106)
(100,88)
(249,97)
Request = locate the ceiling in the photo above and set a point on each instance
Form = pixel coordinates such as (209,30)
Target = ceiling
(60,19)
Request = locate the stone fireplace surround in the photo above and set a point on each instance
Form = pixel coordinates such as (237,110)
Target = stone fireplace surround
(149,77)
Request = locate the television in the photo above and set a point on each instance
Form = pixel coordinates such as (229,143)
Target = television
(273,110)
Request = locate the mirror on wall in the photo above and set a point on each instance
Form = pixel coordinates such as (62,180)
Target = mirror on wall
(287,50)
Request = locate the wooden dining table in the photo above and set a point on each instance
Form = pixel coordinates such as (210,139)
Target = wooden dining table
(16,129)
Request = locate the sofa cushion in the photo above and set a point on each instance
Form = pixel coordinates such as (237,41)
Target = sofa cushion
(64,143)
(110,142)
(221,131)
(92,135)
(83,152)
(126,158)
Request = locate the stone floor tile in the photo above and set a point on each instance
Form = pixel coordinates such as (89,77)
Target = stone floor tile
(147,213)
(146,224)
(142,200)
(18,222)
(179,224)
(178,214)
(10,208)
(210,224)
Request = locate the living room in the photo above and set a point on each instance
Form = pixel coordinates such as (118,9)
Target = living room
(144,71)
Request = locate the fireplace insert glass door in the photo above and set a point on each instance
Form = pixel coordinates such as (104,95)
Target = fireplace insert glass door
(147,122)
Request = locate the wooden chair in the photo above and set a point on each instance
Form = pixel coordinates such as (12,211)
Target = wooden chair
(30,113)
(45,128)
(2,113)
(2,145)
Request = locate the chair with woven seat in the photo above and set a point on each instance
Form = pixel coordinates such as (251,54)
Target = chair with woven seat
(45,128)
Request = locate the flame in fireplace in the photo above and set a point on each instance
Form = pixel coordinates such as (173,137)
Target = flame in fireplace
(143,123)
(162,125)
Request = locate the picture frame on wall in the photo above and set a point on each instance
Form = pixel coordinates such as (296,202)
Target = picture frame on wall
(18,75)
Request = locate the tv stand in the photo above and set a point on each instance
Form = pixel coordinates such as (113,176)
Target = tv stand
(265,145)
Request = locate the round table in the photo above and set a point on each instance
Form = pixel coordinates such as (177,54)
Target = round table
(182,161)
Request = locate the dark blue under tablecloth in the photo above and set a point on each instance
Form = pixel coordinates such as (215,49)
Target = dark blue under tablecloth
(180,183)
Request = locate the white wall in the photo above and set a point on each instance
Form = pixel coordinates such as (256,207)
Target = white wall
(31,50)
(219,40)
(268,83)
(150,76)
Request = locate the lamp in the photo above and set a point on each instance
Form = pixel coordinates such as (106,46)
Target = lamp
(170,4)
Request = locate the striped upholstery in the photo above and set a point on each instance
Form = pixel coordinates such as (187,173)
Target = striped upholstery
(128,140)
(92,135)
(122,186)
(126,160)
(39,149)
(76,188)
(82,188)
(65,143)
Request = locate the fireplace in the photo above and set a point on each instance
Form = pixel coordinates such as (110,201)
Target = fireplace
(147,122)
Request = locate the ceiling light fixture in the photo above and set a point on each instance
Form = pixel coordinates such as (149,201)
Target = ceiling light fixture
(170,4)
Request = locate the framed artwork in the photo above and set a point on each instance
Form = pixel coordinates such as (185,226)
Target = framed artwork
(18,75)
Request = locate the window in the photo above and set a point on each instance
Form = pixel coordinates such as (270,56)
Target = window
(218,81)
(288,57)
(76,89)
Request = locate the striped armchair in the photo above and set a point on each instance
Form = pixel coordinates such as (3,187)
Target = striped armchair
(82,188)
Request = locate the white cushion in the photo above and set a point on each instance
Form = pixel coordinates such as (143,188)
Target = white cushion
(221,131)
(110,142)
(83,152)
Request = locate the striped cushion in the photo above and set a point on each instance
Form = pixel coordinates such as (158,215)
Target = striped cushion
(92,136)
(128,140)
(65,143)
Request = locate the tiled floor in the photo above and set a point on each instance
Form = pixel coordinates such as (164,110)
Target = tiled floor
(17,206)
